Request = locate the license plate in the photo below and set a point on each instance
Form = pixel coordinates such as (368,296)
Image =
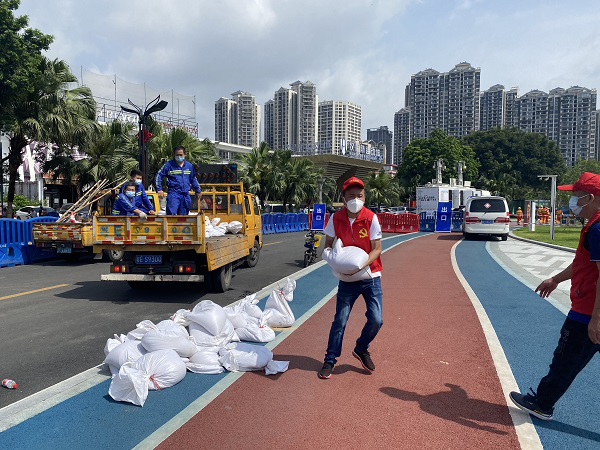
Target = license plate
(487,222)
(64,250)
(148,259)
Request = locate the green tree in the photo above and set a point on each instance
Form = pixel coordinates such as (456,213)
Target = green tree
(20,70)
(381,189)
(256,172)
(419,157)
(511,160)
(53,112)
(572,174)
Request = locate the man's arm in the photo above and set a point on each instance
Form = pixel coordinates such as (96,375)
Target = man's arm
(594,326)
(374,253)
(195,184)
(547,286)
(329,241)
(158,181)
(146,202)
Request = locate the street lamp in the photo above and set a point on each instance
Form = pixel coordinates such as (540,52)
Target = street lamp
(154,106)
(552,200)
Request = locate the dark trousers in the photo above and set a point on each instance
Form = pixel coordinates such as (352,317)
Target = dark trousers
(346,296)
(573,352)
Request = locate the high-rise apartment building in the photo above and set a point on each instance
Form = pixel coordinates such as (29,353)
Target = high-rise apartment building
(492,108)
(382,135)
(447,101)
(402,135)
(268,123)
(339,127)
(533,112)
(598,134)
(511,108)
(225,117)
(291,118)
(237,120)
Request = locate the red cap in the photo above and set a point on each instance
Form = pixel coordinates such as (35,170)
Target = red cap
(352,181)
(588,182)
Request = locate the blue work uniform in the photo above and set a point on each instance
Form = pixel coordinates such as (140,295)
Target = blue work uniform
(141,200)
(124,206)
(180,180)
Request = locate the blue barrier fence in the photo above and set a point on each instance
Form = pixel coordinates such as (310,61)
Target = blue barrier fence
(427,222)
(284,223)
(16,242)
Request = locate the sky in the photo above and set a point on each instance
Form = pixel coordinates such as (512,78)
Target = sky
(359,51)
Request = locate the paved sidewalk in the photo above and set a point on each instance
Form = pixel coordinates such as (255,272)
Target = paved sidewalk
(535,263)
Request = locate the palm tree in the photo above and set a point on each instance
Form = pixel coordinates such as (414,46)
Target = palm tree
(381,189)
(256,171)
(55,112)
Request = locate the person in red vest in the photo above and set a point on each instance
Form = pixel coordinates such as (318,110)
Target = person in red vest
(580,333)
(356,226)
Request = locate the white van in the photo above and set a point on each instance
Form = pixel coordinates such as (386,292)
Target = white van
(487,215)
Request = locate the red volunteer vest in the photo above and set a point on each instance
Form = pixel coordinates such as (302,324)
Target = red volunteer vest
(585,275)
(356,235)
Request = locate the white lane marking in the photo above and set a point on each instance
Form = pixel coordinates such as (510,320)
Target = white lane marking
(526,432)
(201,402)
(554,302)
(33,405)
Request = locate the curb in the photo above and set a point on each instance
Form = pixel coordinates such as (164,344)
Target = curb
(543,244)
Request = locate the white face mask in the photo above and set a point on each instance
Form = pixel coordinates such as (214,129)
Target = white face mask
(573,206)
(354,205)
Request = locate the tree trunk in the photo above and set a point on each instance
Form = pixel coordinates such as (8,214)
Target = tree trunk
(17,143)
(284,201)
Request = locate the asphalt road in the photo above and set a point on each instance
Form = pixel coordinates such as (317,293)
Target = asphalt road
(59,331)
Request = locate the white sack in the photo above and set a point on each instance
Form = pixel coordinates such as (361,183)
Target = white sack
(347,260)
(209,315)
(180,317)
(256,330)
(242,357)
(169,336)
(203,338)
(234,227)
(206,361)
(236,315)
(113,342)
(249,305)
(141,328)
(153,371)
(277,303)
(129,351)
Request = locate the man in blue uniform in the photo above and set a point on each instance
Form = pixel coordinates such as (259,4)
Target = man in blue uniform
(181,177)
(141,198)
(125,203)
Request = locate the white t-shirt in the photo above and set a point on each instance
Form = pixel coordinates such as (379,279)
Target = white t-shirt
(374,231)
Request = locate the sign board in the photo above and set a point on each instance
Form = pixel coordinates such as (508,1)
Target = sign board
(318,217)
(443,221)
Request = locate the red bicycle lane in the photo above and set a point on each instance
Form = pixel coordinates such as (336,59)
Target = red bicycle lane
(435,385)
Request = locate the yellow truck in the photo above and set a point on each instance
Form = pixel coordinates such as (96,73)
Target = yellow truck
(175,248)
(73,240)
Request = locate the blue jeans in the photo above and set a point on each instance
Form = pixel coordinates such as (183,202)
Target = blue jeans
(346,296)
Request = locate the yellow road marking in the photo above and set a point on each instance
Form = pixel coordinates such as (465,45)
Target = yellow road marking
(272,243)
(6,297)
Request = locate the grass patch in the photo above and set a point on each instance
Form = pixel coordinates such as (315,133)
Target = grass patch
(565,236)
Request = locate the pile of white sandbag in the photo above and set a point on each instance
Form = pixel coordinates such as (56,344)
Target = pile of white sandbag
(346,262)
(215,227)
(204,340)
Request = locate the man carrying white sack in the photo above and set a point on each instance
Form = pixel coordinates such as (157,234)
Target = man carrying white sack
(355,226)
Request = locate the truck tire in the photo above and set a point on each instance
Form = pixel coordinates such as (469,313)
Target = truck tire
(504,237)
(252,258)
(115,255)
(220,279)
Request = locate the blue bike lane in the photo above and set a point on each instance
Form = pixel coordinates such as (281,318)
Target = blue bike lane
(93,420)
(528,329)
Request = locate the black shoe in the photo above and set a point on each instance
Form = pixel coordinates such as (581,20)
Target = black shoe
(528,403)
(365,360)
(326,371)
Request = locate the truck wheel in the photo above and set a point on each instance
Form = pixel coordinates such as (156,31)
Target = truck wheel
(505,237)
(220,278)
(252,258)
(115,255)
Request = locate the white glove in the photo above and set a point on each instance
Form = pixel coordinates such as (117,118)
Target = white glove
(143,215)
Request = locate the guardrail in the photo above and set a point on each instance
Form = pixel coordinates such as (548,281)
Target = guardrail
(16,242)
(427,222)
(286,222)
(399,223)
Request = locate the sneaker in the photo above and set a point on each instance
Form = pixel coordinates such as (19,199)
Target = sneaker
(365,360)
(326,371)
(528,403)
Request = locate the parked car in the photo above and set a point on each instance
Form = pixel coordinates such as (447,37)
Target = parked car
(402,210)
(486,215)
(27,212)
